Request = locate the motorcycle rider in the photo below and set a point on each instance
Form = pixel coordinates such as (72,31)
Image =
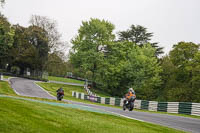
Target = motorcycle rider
(130,96)
(60,92)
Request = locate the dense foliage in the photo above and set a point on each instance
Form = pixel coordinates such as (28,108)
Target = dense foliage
(30,48)
(114,66)
(6,38)
(181,73)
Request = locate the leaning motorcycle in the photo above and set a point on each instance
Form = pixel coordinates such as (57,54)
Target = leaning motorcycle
(60,96)
(128,104)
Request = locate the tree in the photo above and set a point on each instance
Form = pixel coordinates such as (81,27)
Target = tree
(139,35)
(38,39)
(136,34)
(144,72)
(181,76)
(50,26)
(57,66)
(6,39)
(183,53)
(196,77)
(30,48)
(127,66)
(20,50)
(85,53)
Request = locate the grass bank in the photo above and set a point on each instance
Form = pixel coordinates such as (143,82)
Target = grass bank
(68,80)
(5,88)
(26,116)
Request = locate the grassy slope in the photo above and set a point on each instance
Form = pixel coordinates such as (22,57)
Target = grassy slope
(52,87)
(6,77)
(6,89)
(100,93)
(25,116)
(68,80)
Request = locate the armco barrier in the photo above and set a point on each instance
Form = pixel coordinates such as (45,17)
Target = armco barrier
(170,107)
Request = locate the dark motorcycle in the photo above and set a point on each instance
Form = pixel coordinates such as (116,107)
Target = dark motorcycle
(60,96)
(128,104)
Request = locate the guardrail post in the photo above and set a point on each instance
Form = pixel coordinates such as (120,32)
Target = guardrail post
(1,76)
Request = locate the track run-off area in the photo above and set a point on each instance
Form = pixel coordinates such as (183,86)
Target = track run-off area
(26,87)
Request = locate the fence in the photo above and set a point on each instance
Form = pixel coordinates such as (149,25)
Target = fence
(170,107)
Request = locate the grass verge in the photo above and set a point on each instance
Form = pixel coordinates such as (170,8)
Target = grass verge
(68,80)
(6,89)
(6,77)
(26,116)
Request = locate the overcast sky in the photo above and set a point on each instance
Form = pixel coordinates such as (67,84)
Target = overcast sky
(171,21)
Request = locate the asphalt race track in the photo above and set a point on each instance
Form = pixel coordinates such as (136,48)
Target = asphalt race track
(27,87)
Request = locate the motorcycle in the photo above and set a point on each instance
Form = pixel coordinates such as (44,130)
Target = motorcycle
(128,104)
(60,96)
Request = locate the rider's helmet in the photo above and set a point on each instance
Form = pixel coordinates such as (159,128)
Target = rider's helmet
(131,89)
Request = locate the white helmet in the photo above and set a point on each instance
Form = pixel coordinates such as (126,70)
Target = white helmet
(131,89)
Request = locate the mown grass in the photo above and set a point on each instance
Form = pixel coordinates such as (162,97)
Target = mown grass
(20,116)
(52,87)
(68,80)
(6,89)
(100,93)
(6,77)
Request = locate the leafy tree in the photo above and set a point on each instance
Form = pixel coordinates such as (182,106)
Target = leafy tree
(30,48)
(144,72)
(127,66)
(183,53)
(20,50)
(39,41)
(139,35)
(85,53)
(181,74)
(6,39)
(196,77)
(57,66)
(50,26)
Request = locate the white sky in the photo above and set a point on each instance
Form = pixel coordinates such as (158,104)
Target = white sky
(171,21)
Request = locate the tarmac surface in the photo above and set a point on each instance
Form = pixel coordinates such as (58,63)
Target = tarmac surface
(26,87)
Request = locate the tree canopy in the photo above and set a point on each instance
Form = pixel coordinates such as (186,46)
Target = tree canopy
(6,38)
(139,36)
(114,66)
(181,73)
